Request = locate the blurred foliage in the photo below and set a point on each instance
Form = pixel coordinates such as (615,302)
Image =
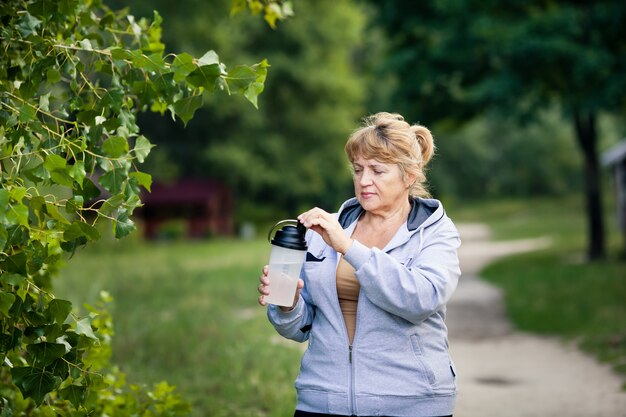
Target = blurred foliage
(491,158)
(456,60)
(289,154)
(331,64)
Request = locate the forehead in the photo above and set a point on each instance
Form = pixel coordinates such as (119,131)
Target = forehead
(368,162)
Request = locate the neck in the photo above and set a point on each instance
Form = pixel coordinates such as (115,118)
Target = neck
(396,215)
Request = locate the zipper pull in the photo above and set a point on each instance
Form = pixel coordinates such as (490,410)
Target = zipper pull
(350,353)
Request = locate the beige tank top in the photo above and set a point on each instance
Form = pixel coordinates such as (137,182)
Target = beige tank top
(348,292)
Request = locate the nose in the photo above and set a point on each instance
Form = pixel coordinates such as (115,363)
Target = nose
(365,178)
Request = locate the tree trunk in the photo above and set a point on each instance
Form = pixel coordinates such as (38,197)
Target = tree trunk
(586,135)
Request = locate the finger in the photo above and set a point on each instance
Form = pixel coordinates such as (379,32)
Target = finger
(311,215)
(264,279)
(262,300)
(313,219)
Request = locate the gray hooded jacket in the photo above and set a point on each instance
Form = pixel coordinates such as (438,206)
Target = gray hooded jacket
(398,364)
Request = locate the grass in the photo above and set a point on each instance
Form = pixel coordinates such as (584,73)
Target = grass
(187,313)
(553,291)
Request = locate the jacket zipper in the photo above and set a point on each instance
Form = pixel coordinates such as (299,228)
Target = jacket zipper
(351,390)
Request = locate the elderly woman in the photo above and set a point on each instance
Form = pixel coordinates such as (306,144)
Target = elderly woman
(372,296)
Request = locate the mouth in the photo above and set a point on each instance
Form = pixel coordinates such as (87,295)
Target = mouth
(367,195)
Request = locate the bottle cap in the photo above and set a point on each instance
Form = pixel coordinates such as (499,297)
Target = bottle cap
(290,237)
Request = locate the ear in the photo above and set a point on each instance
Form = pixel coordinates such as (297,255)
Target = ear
(409,179)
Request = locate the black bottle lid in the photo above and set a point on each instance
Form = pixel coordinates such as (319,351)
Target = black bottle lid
(290,237)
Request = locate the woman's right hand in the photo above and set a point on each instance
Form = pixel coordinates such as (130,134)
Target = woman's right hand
(264,290)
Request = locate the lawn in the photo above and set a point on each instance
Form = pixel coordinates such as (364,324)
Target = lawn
(186,312)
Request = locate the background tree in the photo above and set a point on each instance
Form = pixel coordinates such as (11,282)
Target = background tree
(289,154)
(73,76)
(458,59)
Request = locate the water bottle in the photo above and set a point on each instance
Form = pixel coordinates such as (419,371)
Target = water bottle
(287,256)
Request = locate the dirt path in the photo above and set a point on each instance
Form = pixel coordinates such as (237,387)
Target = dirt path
(502,372)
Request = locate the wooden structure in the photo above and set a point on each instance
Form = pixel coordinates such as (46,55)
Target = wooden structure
(616,159)
(205,206)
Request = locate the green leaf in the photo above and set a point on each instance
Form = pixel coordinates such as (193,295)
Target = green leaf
(115,147)
(28,25)
(4,203)
(43,8)
(111,204)
(54,162)
(182,66)
(4,236)
(74,394)
(89,191)
(45,353)
(123,225)
(90,232)
(83,326)
(205,76)
(113,180)
(142,148)
(85,44)
(57,166)
(53,212)
(113,97)
(77,172)
(72,245)
(153,62)
(17,193)
(53,75)
(252,93)
(73,232)
(28,113)
(120,54)
(18,214)
(15,263)
(143,179)
(6,301)
(59,309)
(240,77)
(18,235)
(33,382)
(8,342)
(44,102)
(209,58)
(186,107)
(79,229)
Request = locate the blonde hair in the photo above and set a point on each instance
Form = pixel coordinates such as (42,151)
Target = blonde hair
(388,138)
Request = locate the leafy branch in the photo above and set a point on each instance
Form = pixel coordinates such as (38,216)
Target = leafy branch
(73,76)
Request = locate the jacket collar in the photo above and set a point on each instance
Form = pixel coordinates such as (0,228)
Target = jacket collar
(424,212)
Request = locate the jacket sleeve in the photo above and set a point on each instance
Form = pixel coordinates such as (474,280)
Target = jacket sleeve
(417,291)
(294,324)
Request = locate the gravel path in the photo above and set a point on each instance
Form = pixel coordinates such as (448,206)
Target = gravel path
(503,372)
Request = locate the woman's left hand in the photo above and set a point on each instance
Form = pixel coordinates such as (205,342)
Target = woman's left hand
(326,225)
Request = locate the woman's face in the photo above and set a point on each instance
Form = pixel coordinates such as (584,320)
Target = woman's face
(378,186)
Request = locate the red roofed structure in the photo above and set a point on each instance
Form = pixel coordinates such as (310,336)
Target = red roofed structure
(205,205)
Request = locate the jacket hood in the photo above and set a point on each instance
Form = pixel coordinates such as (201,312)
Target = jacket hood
(424,212)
